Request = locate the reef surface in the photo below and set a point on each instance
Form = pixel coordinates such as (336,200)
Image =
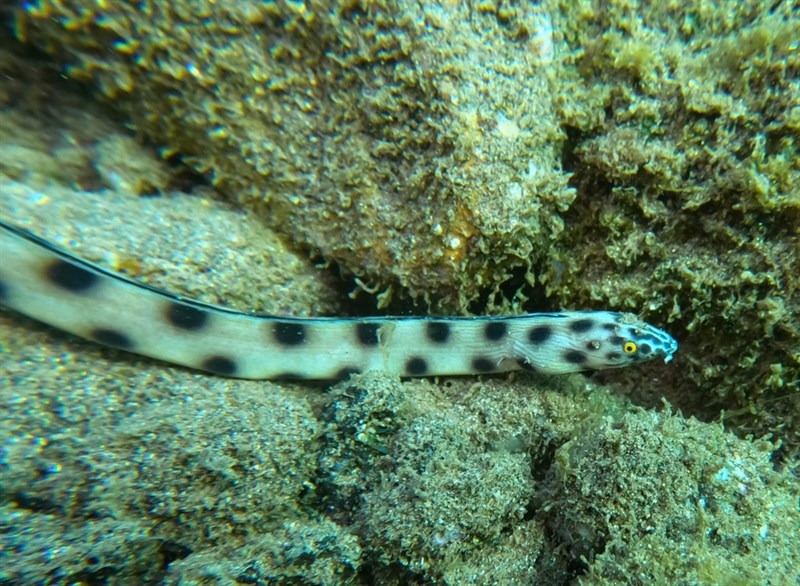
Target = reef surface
(461,157)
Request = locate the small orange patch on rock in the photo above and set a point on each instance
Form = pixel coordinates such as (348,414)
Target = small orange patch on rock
(457,238)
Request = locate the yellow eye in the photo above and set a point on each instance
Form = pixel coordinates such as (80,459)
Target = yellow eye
(629,348)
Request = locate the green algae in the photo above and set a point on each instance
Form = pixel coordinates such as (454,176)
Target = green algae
(348,127)
(425,481)
(654,498)
(503,481)
(689,194)
(72,174)
(138,471)
(638,156)
(603,491)
(125,472)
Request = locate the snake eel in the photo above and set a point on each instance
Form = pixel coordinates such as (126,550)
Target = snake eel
(52,286)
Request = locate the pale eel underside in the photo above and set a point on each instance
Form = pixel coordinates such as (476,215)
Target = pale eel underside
(54,287)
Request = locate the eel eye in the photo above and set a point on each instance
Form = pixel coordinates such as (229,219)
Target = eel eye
(629,348)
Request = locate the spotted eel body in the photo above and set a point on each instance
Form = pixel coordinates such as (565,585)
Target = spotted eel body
(54,287)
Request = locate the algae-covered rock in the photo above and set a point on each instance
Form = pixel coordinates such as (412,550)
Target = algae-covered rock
(686,126)
(126,472)
(439,482)
(654,498)
(42,547)
(75,176)
(414,145)
(486,483)
(640,157)
(434,488)
(119,469)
